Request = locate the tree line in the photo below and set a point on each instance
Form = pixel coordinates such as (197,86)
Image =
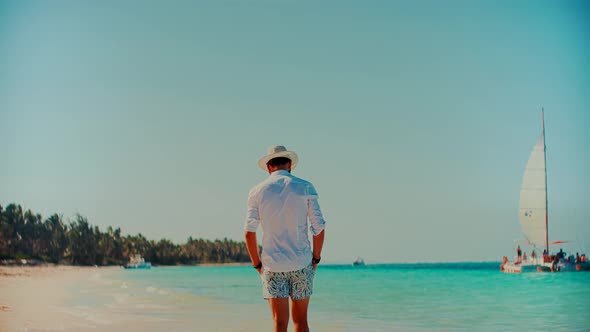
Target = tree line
(26,235)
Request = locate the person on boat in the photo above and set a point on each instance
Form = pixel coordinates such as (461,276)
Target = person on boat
(577,258)
(583,258)
(533,255)
(524,256)
(504,262)
(519,254)
(554,266)
(285,207)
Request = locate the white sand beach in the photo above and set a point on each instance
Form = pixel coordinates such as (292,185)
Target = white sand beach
(83,299)
(66,298)
(35,298)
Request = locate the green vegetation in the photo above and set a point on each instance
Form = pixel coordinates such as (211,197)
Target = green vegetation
(25,235)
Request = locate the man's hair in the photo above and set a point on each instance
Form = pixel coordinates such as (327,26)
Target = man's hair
(279,161)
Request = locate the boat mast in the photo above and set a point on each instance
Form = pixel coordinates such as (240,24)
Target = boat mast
(546,199)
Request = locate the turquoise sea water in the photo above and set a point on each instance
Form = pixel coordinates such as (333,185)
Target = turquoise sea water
(388,297)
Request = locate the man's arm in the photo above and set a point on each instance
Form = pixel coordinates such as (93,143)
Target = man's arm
(250,227)
(252,245)
(318,243)
(317,224)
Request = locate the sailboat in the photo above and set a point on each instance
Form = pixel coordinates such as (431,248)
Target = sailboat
(533,215)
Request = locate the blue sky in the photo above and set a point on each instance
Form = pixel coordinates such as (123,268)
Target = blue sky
(414,120)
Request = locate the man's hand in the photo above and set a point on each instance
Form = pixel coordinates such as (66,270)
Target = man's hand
(318,243)
(252,246)
(315,262)
(258,267)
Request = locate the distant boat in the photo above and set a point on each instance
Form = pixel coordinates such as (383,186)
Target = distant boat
(358,262)
(534,219)
(137,262)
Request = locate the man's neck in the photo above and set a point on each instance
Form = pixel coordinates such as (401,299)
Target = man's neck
(280,171)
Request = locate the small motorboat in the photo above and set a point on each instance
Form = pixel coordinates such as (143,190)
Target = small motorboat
(358,262)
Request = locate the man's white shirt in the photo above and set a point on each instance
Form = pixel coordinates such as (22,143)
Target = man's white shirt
(284,205)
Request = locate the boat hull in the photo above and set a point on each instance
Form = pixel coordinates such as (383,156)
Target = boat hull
(138,266)
(518,268)
(511,268)
(563,266)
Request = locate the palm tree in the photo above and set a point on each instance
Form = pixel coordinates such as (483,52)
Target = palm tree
(58,239)
(14,223)
(5,234)
(83,246)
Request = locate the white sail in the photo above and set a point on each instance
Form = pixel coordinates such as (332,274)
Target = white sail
(533,200)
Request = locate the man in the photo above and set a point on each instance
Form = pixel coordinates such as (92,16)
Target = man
(284,205)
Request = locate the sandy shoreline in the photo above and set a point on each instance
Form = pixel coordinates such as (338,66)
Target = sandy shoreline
(73,298)
(31,297)
(84,299)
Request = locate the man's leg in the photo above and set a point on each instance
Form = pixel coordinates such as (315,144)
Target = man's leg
(299,313)
(279,307)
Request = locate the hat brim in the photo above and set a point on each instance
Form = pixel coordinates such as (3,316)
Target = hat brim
(287,154)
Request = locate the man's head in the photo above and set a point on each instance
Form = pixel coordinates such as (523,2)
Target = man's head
(279,163)
(278,158)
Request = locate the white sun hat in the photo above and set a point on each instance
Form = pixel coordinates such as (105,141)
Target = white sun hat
(275,152)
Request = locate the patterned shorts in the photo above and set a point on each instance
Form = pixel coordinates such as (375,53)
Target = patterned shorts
(296,284)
